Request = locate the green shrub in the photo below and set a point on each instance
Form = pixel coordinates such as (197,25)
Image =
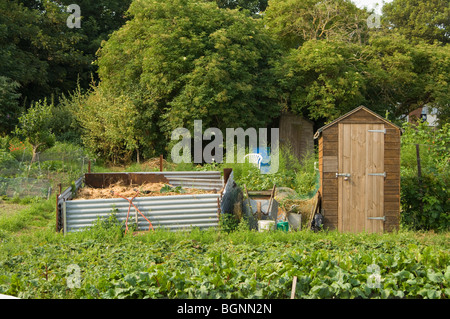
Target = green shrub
(425,201)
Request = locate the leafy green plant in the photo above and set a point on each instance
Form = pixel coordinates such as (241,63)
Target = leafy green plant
(175,189)
(425,198)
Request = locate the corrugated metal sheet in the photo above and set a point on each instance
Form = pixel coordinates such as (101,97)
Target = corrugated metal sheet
(67,194)
(171,212)
(208,180)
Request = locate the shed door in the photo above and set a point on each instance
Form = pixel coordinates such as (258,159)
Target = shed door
(361,195)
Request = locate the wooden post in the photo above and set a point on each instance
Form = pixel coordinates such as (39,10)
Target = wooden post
(89,166)
(258,210)
(57,207)
(419,175)
(272,195)
(161,163)
(294,287)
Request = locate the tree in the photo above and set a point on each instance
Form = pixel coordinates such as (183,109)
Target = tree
(295,22)
(46,57)
(428,20)
(8,104)
(34,125)
(254,6)
(108,123)
(322,79)
(38,49)
(404,76)
(333,63)
(179,60)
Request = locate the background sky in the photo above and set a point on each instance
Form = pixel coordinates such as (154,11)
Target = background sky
(371,4)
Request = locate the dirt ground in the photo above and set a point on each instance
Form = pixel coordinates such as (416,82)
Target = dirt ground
(149,189)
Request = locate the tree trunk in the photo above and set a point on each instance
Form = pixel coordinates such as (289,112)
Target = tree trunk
(33,159)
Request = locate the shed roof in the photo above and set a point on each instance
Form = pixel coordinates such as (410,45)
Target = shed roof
(362,107)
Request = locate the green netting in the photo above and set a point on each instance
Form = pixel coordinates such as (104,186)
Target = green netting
(291,202)
(24,187)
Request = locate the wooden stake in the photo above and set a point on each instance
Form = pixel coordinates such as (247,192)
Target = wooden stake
(419,175)
(294,286)
(160,163)
(57,208)
(258,210)
(272,195)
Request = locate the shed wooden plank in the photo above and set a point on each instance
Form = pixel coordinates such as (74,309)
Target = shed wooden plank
(330,164)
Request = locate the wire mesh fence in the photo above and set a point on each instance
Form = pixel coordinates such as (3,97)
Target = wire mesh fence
(20,176)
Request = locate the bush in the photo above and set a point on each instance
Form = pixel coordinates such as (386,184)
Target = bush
(425,201)
(8,164)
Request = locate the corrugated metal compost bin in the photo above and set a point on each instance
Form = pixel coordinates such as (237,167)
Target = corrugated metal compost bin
(173,212)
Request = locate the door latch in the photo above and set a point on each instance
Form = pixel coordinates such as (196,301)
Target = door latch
(345,175)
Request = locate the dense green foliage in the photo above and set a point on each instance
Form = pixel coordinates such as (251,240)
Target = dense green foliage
(162,64)
(34,126)
(42,54)
(180,61)
(428,20)
(333,62)
(425,198)
(217,264)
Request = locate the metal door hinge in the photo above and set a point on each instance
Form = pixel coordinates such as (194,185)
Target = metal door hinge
(342,174)
(378,218)
(378,174)
(378,131)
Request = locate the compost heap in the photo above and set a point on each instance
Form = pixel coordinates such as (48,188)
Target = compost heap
(145,190)
(290,203)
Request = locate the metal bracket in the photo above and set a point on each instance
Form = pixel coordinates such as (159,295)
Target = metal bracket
(342,174)
(378,218)
(378,131)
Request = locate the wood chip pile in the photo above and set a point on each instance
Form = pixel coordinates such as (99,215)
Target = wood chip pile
(148,189)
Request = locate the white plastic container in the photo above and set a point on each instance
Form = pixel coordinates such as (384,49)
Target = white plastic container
(295,221)
(266,225)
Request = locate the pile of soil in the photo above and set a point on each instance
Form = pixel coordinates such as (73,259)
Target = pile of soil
(145,190)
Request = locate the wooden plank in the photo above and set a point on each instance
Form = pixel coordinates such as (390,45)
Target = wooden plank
(358,179)
(329,175)
(344,187)
(375,164)
(332,151)
(330,186)
(391,198)
(391,177)
(330,222)
(329,145)
(394,205)
(391,161)
(392,168)
(330,204)
(391,138)
(330,164)
(392,213)
(392,153)
(331,212)
(332,131)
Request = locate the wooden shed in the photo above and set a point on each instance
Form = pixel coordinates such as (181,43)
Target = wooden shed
(359,163)
(297,133)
